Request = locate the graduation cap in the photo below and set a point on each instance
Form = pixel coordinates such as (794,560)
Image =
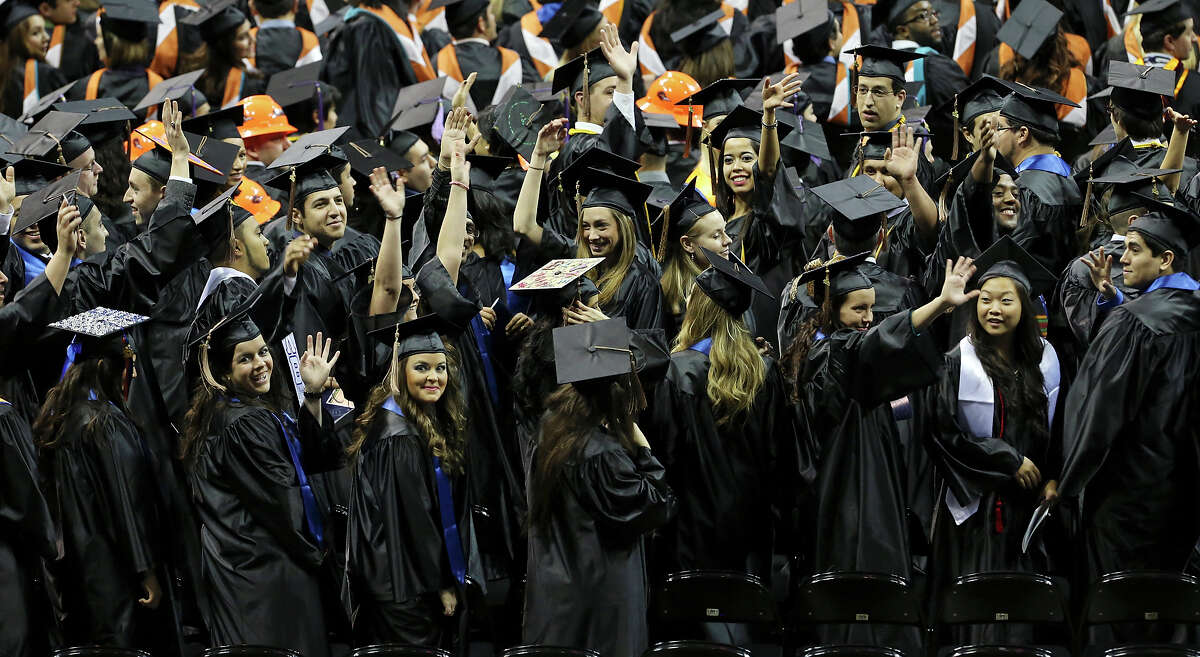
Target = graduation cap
(730,283)
(604,189)
(157,162)
(872,145)
(1128,180)
(595,157)
(1006,258)
(659,121)
(132,20)
(414,94)
(881,62)
(595,350)
(721,97)
(106,118)
(45,103)
(1170,223)
(982,96)
(840,276)
(217,19)
(221,124)
(800,17)
(52,138)
(170,89)
(1158,15)
(660,198)
(441,294)
(558,283)
(304,149)
(99,333)
(41,208)
(11,129)
(1105,137)
(417,116)
(223,201)
(586,69)
(808,138)
(460,12)
(485,169)
(1140,89)
(216,153)
(742,122)
(417,336)
(858,204)
(214,335)
(334,20)
(680,214)
(701,36)
(1031,23)
(366,154)
(518,118)
(17,11)
(30,175)
(572,23)
(1034,106)
(961,169)
(295,88)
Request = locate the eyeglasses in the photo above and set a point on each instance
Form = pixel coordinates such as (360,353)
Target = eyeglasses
(1002,128)
(925,16)
(876,93)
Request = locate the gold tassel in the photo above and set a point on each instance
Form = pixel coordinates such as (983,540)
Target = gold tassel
(578,209)
(587,90)
(687,146)
(1084,221)
(205,370)
(957,129)
(666,226)
(393,375)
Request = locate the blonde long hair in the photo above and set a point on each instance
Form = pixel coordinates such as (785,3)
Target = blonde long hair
(609,279)
(736,370)
(679,274)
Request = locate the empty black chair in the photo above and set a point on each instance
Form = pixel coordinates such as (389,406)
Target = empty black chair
(249,651)
(548,651)
(851,598)
(694,649)
(99,651)
(398,650)
(1152,651)
(851,651)
(1006,597)
(1140,596)
(714,596)
(998,651)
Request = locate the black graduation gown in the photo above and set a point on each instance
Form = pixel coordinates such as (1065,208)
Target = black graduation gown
(737,485)
(277,49)
(863,518)
(261,562)
(128,85)
(587,584)
(366,53)
(1130,434)
(25,314)
(1050,210)
(639,300)
(27,533)
(80,55)
(108,505)
(398,554)
(484,60)
(48,79)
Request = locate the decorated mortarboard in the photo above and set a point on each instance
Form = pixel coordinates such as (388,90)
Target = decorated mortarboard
(808,138)
(216,153)
(31,175)
(216,19)
(1159,14)
(589,68)
(41,208)
(859,204)
(594,350)
(1168,222)
(1006,258)
(46,138)
(742,122)
(572,23)
(11,130)
(1034,106)
(800,17)
(98,332)
(721,97)
(1031,23)
(881,62)
(45,103)
(840,275)
(416,336)
(175,88)
(366,154)
(730,283)
(132,20)
(702,35)
(105,118)
(604,189)
(1140,89)
(555,275)
(681,213)
(518,118)
(221,124)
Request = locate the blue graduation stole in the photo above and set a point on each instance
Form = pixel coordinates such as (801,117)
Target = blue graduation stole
(312,514)
(703,346)
(1048,162)
(516,303)
(454,549)
(33,264)
(918,69)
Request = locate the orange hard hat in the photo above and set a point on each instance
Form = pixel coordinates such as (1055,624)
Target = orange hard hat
(263,116)
(139,145)
(668,89)
(252,198)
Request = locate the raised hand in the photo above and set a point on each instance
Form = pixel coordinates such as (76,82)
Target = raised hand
(316,363)
(460,168)
(987,141)
(173,122)
(67,227)
(464,91)
(550,138)
(623,62)
(455,130)
(1100,271)
(776,95)
(902,156)
(8,190)
(957,274)
(296,253)
(1182,122)
(390,197)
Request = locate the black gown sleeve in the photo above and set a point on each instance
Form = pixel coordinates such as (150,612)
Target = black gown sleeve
(625,495)
(891,360)
(23,509)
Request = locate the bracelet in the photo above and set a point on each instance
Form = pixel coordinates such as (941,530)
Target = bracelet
(771,125)
(393,218)
(537,168)
(313,395)
(465,187)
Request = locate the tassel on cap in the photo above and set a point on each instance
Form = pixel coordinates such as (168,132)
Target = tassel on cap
(687,145)
(957,129)
(1085,219)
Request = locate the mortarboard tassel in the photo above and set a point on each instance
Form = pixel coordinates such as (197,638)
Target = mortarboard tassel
(587,90)
(1084,220)
(127,370)
(687,144)
(292,195)
(662,242)
(205,369)
(578,207)
(954,151)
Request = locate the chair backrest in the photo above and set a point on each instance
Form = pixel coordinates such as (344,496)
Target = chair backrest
(398,650)
(1003,597)
(850,651)
(715,596)
(99,651)
(694,649)
(548,651)
(1152,651)
(999,651)
(853,597)
(1143,596)
(249,651)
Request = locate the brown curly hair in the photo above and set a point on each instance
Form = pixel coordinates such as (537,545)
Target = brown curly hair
(1049,67)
